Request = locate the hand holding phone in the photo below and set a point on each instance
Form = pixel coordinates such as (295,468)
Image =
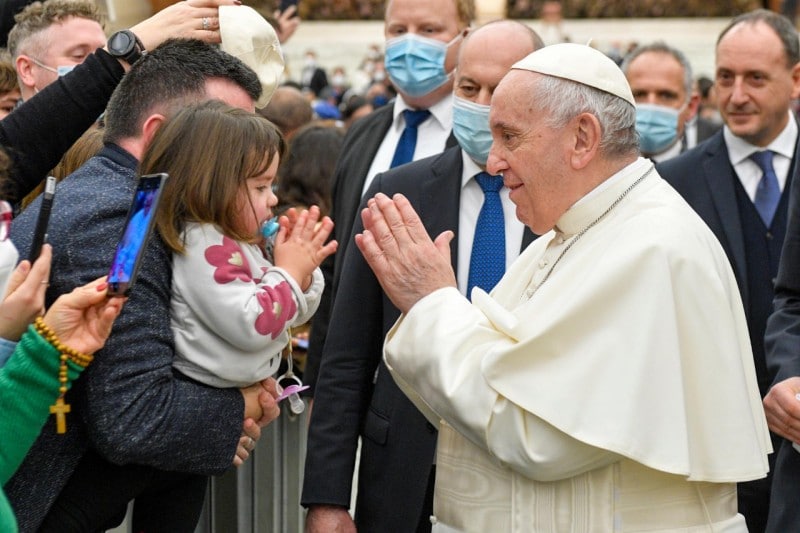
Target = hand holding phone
(135,234)
(286,4)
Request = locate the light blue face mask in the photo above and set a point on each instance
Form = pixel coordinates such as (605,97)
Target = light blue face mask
(416,64)
(60,70)
(657,126)
(471,128)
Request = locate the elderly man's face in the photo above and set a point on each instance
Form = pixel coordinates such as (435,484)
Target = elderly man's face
(754,84)
(531,156)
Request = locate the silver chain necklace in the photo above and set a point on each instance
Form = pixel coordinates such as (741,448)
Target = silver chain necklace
(531,291)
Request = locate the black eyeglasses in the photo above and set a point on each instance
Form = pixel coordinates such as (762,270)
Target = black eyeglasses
(5,220)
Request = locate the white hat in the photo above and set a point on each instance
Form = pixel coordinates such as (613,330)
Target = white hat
(248,36)
(581,63)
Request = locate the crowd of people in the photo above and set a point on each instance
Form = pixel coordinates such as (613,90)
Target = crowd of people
(542,288)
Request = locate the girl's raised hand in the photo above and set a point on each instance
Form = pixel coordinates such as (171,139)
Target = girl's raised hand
(300,246)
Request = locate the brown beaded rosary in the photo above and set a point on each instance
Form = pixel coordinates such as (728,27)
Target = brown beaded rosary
(60,408)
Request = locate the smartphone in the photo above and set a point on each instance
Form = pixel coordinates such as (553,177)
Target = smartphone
(135,234)
(40,234)
(286,4)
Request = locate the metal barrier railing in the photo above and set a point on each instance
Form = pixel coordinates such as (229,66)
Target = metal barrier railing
(263,495)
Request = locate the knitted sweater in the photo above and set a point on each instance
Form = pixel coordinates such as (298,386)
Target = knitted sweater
(28,387)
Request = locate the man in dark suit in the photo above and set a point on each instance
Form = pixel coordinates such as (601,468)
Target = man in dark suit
(370,145)
(660,77)
(783,360)
(741,197)
(355,395)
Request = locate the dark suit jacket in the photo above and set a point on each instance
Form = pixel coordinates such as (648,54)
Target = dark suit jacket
(355,393)
(782,342)
(705,178)
(358,151)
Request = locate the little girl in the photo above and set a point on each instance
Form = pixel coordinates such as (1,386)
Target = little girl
(231,307)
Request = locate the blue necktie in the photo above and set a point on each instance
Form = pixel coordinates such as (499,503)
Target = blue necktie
(768,193)
(488,260)
(408,140)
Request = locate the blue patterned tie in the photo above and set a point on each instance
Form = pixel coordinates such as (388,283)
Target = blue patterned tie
(408,139)
(768,193)
(488,260)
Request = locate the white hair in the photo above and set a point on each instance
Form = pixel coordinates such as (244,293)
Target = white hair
(564,99)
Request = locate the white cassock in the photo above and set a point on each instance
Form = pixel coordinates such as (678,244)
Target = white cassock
(618,396)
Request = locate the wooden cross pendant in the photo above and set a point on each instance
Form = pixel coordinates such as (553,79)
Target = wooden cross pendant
(60,409)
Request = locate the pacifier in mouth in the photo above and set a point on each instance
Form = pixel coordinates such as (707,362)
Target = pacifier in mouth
(270,228)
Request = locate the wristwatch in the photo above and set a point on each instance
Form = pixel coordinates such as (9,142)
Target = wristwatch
(126,46)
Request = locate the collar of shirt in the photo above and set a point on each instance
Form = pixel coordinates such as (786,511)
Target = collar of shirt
(748,172)
(441,111)
(432,135)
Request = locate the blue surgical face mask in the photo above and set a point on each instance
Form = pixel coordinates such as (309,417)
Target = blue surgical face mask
(416,64)
(60,70)
(471,128)
(657,126)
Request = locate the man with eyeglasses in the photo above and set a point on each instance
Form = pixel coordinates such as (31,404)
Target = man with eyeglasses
(50,38)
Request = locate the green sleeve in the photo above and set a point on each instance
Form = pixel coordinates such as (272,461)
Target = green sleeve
(28,387)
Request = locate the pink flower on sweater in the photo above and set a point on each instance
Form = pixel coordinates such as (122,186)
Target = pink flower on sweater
(230,261)
(279,307)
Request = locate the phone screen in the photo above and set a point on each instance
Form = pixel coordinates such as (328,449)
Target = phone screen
(137,230)
(286,4)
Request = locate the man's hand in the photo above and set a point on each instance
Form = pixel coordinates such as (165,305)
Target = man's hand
(287,23)
(329,519)
(264,394)
(251,432)
(396,246)
(783,409)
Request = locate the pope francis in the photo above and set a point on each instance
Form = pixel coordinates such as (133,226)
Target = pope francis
(607,383)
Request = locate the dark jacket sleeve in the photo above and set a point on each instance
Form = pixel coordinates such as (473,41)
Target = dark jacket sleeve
(352,352)
(38,133)
(782,338)
(359,148)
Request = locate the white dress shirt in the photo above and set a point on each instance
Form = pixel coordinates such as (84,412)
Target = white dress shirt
(431,135)
(747,170)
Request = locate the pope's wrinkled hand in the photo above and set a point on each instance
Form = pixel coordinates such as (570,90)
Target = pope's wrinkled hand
(395,244)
